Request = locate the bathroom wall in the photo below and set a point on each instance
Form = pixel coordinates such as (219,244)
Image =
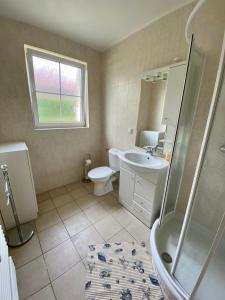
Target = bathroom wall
(155,46)
(56,155)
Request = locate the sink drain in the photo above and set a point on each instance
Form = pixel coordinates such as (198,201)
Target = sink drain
(166,257)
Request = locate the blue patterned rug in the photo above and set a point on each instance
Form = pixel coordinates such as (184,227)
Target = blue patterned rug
(121,271)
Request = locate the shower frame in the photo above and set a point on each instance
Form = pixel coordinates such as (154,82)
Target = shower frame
(221,229)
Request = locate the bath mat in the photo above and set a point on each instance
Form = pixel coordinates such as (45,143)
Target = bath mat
(121,271)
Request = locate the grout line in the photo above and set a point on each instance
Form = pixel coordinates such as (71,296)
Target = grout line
(33,259)
(38,291)
(69,238)
(82,209)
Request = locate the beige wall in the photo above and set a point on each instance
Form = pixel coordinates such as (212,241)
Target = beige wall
(56,155)
(155,46)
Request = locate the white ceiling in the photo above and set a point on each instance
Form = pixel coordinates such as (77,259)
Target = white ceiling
(99,24)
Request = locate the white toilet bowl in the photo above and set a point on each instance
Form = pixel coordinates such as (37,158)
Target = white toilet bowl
(102,177)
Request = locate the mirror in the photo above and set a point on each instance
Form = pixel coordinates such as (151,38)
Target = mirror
(160,100)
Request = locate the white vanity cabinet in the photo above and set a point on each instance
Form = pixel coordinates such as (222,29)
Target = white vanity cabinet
(141,192)
(126,187)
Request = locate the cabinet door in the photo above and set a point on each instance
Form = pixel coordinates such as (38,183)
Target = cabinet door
(173,96)
(126,187)
(145,188)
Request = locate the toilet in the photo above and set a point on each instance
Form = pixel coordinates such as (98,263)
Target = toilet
(102,177)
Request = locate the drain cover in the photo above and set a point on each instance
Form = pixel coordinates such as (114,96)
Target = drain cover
(166,257)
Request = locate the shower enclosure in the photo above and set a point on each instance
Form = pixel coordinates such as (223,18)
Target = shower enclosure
(188,240)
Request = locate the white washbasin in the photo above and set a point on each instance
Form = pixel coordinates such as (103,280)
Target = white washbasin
(143,161)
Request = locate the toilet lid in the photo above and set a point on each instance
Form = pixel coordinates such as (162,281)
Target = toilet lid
(100,172)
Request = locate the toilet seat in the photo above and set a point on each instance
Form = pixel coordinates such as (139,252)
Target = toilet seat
(100,173)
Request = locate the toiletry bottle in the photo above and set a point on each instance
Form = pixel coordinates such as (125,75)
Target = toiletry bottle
(168,155)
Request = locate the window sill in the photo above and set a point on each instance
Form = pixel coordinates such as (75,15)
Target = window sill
(60,128)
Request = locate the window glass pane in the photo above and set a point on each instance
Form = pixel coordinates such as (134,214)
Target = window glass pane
(48,107)
(46,75)
(70,80)
(71,109)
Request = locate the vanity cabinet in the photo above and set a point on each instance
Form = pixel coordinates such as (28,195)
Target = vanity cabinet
(126,187)
(141,193)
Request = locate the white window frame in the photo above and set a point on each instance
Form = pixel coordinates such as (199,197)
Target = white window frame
(29,52)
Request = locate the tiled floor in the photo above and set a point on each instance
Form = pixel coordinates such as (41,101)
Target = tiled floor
(52,264)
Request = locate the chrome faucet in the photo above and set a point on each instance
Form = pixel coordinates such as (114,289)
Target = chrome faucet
(151,149)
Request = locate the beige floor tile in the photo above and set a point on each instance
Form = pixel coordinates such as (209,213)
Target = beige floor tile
(24,254)
(53,236)
(45,206)
(44,294)
(70,286)
(74,186)
(57,192)
(86,201)
(78,193)
(43,196)
(32,277)
(123,216)
(62,200)
(68,210)
(95,213)
(89,236)
(108,227)
(76,223)
(122,236)
(61,259)
(89,187)
(138,230)
(47,220)
(110,203)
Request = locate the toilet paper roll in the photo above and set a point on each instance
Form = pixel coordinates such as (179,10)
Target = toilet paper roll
(87,162)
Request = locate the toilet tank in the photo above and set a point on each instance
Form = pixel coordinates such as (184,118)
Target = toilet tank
(114,160)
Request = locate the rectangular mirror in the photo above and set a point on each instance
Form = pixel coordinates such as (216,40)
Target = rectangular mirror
(161,94)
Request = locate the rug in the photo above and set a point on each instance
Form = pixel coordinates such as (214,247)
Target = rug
(121,271)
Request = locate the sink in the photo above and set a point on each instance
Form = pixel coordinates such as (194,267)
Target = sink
(143,161)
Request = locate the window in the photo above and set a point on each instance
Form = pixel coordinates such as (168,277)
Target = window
(57,89)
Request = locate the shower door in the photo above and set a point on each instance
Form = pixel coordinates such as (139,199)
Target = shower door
(200,261)
(184,129)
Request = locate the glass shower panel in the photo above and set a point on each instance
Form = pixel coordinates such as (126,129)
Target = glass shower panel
(189,103)
(212,285)
(209,203)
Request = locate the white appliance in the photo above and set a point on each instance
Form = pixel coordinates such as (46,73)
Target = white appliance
(104,176)
(8,284)
(16,156)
